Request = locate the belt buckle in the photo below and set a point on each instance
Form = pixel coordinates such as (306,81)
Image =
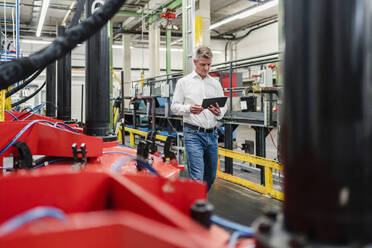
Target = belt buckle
(198,129)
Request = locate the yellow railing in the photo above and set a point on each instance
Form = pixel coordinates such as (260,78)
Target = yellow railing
(269,165)
(2,104)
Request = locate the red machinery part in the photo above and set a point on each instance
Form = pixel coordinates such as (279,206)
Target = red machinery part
(115,211)
(44,139)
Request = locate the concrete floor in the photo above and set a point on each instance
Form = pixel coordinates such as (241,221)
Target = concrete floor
(239,204)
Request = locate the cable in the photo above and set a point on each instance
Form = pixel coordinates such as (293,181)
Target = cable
(21,68)
(117,165)
(140,162)
(20,133)
(234,238)
(272,140)
(28,97)
(29,216)
(117,152)
(48,163)
(232,225)
(36,109)
(25,83)
(66,127)
(15,117)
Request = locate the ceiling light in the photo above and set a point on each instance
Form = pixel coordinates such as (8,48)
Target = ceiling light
(43,12)
(258,9)
(246,13)
(36,41)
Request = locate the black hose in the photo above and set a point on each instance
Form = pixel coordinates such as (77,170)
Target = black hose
(28,97)
(21,68)
(24,84)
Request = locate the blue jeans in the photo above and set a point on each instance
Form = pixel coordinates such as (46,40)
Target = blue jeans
(202,155)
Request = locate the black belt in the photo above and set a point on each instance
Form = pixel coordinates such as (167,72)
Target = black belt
(202,129)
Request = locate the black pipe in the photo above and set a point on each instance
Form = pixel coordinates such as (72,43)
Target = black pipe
(24,84)
(15,104)
(64,83)
(326,133)
(51,90)
(22,68)
(97,107)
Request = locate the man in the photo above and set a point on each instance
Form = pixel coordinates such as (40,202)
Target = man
(200,134)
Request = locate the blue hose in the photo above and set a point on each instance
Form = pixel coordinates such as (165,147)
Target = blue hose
(48,162)
(20,133)
(244,230)
(29,216)
(142,163)
(15,117)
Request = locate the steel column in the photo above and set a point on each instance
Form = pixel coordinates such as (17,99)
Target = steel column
(63,83)
(327,127)
(168,58)
(261,133)
(229,145)
(51,90)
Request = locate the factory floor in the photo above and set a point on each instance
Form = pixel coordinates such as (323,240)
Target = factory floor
(239,204)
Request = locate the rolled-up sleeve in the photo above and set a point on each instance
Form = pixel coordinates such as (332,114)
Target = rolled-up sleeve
(178,106)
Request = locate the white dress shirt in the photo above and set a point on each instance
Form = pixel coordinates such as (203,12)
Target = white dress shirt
(192,89)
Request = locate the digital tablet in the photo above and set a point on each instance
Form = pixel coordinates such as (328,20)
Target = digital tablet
(212,101)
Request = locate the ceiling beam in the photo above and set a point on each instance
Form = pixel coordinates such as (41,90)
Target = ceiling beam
(128,13)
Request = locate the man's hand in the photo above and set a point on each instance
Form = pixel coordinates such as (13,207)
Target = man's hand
(215,109)
(196,109)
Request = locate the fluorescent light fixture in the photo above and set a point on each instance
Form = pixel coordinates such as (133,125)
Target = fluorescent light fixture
(258,9)
(246,13)
(43,12)
(36,41)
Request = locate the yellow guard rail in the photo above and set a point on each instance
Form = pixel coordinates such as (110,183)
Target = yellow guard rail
(269,165)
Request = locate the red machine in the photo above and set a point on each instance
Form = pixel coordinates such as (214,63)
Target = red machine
(103,193)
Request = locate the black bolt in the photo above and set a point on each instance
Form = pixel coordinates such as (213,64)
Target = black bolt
(271,215)
(201,211)
(264,228)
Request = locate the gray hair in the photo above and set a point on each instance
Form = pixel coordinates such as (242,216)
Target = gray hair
(203,52)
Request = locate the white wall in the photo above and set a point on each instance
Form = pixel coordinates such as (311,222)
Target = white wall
(260,41)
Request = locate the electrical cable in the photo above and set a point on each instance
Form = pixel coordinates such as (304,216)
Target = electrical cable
(24,84)
(21,68)
(15,117)
(28,216)
(29,97)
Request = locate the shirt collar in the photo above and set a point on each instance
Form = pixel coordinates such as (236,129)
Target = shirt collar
(194,74)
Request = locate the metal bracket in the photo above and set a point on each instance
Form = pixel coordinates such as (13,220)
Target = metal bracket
(142,153)
(79,160)
(168,153)
(151,141)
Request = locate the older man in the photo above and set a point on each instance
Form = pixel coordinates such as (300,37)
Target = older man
(200,134)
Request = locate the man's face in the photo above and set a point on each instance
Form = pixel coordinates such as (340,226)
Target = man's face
(202,66)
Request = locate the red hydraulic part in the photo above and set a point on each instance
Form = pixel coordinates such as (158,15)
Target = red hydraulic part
(105,210)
